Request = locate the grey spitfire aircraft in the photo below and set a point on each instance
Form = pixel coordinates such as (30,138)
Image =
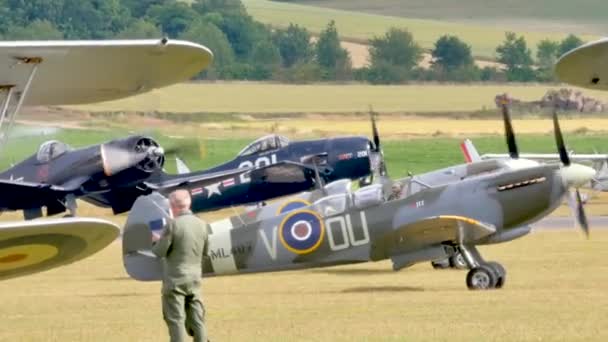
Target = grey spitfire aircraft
(487,204)
(115,173)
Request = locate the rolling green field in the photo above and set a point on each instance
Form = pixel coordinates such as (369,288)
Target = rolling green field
(362,26)
(252,97)
(555,291)
(584,16)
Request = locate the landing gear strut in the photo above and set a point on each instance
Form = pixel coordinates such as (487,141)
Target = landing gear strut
(482,275)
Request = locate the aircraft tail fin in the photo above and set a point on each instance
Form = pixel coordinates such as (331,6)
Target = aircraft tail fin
(147,218)
(469,151)
(181,166)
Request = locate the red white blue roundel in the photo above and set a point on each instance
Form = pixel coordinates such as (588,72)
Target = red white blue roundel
(302,232)
(292,205)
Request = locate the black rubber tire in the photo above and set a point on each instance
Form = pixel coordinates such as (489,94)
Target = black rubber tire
(501,273)
(482,277)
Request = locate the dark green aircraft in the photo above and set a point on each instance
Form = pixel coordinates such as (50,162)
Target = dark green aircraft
(441,213)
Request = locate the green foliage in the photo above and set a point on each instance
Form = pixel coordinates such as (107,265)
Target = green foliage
(300,73)
(569,43)
(140,29)
(332,58)
(451,53)
(211,36)
(546,56)
(393,57)
(224,7)
(93,19)
(40,29)
(139,8)
(294,45)
(397,48)
(453,61)
(492,74)
(265,60)
(516,55)
(172,17)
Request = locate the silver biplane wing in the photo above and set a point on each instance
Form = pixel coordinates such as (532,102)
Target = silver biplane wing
(34,246)
(585,66)
(77,72)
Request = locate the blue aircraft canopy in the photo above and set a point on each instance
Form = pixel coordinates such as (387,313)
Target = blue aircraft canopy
(50,150)
(265,143)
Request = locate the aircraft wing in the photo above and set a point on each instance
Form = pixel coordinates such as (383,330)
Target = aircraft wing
(585,66)
(76,72)
(550,156)
(282,172)
(435,230)
(20,195)
(34,246)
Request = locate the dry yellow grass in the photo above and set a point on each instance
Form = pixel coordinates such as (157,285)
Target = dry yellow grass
(245,97)
(408,126)
(556,290)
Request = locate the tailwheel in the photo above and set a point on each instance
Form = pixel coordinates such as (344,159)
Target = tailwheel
(482,277)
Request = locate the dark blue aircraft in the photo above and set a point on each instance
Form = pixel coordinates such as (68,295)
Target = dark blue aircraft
(115,173)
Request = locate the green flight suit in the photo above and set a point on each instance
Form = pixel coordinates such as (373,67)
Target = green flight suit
(182,247)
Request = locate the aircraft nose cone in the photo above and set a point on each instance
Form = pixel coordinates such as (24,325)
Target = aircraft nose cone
(577,175)
(157,151)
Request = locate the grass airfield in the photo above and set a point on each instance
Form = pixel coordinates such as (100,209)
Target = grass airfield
(556,286)
(555,291)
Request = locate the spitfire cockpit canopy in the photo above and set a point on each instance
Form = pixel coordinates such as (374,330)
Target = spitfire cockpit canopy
(50,150)
(331,205)
(265,143)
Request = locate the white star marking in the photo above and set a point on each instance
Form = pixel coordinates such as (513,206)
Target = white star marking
(213,189)
(16,179)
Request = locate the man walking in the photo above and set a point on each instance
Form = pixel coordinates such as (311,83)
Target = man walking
(182,247)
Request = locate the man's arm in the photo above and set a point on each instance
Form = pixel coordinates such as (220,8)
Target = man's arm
(161,247)
(206,245)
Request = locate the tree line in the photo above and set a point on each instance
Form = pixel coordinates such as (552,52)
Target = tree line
(247,49)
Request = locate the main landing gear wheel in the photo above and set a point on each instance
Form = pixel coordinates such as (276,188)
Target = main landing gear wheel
(457,261)
(501,273)
(487,276)
(482,277)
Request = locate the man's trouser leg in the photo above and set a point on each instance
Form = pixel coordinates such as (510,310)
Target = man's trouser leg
(174,315)
(195,313)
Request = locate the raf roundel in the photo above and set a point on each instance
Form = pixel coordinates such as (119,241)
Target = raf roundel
(302,232)
(292,205)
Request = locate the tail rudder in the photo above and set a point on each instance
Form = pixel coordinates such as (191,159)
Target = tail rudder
(147,218)
(469,151)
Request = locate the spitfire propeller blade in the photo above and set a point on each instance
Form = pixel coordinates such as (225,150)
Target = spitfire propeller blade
(559,140)
(376,153)
(510,135)
(574,175)
(376,135)
(580,214)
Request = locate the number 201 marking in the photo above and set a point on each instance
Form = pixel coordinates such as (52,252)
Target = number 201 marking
(260,162)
